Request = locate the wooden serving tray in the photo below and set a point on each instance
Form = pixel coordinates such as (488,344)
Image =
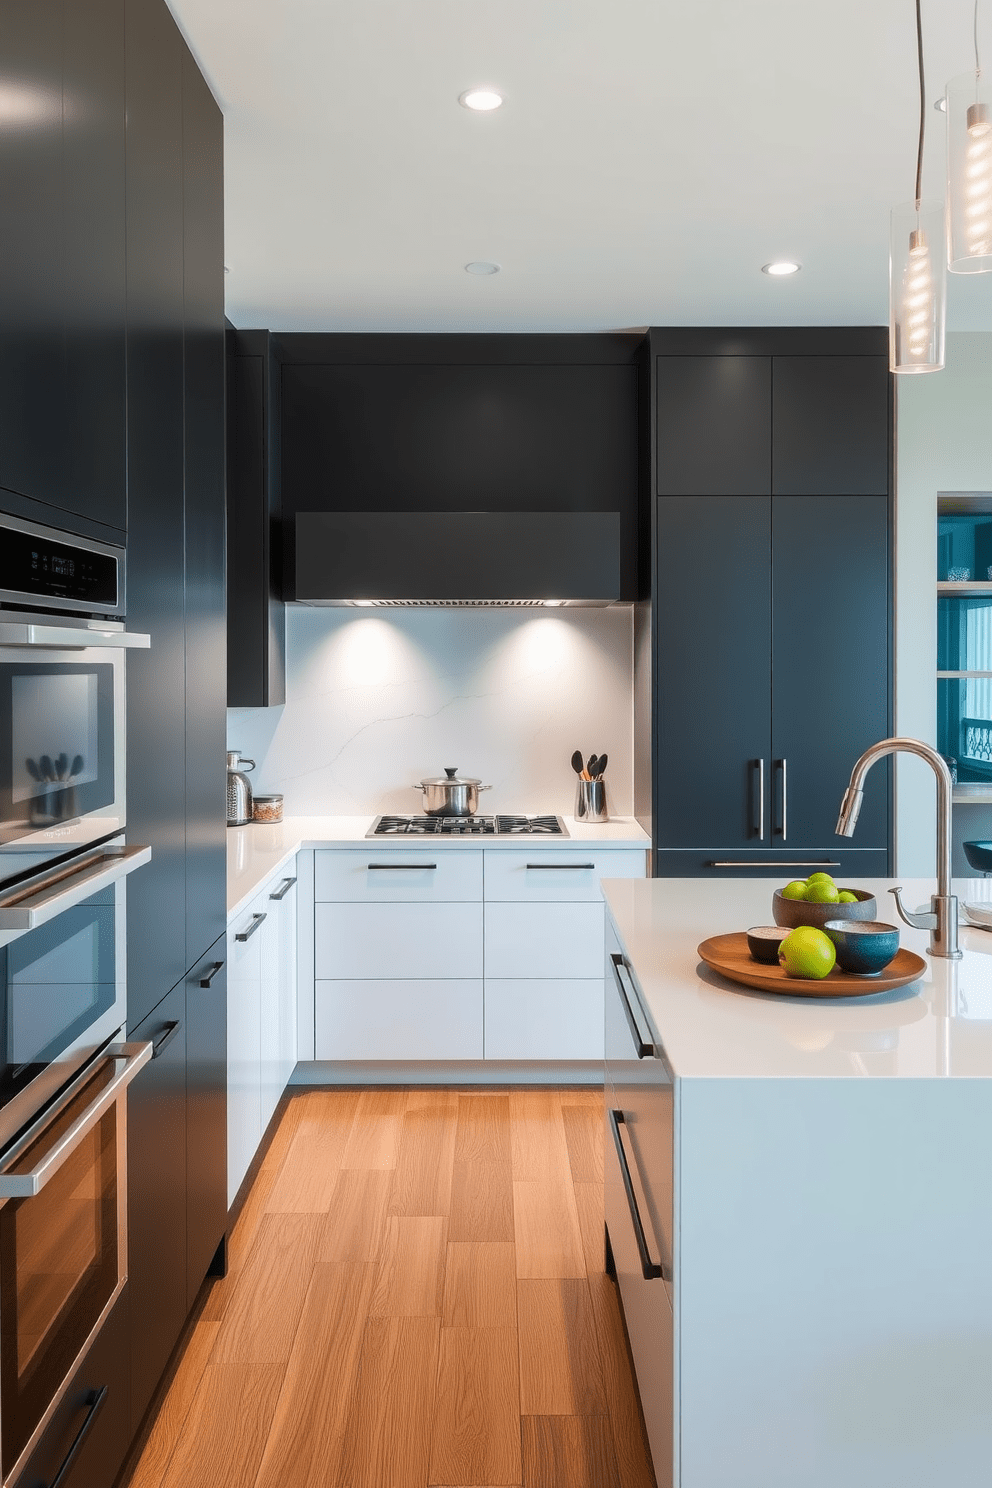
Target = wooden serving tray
(729,955)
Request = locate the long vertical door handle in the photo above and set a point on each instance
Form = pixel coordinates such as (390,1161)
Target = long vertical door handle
(759,823)
(783,767)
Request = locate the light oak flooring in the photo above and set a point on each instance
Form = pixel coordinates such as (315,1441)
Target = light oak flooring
(416,1297)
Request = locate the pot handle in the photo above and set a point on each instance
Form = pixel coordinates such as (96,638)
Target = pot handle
(485,787)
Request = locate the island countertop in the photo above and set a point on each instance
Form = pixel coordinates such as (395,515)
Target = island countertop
(938,1027)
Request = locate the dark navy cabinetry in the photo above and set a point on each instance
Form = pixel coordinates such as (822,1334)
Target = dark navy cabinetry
(62,263)
(771,598)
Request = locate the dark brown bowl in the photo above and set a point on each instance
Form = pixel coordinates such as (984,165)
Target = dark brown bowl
(793,912)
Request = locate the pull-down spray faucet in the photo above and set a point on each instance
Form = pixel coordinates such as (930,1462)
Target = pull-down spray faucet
(942,921)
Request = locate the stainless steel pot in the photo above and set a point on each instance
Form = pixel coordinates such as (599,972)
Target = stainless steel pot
(451,796)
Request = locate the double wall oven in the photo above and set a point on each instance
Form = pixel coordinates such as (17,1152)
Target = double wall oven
(64,1071)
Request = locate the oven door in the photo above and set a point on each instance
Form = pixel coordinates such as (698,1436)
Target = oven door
(61,750)
(62,982)
(63,1243)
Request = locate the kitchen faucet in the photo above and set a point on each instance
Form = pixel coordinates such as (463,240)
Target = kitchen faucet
(942,921)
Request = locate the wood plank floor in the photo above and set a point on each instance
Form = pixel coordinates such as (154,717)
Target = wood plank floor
(416,1299)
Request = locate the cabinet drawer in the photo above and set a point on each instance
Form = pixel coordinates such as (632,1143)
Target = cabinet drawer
(376,875)
(544,940)
(557,874)
(398,1020)
(546,1019)
(782,865)
(397,941)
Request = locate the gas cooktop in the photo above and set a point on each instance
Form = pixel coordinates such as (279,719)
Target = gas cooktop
(467,826)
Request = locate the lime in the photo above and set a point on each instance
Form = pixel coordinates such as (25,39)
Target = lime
(822,893)
(794,890)
(807,952)
(819,878)
(846,897)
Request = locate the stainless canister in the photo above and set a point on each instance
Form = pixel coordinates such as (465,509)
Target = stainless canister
(238,789)
(590,801)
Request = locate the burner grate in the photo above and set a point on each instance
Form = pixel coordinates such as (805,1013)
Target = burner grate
(466,826)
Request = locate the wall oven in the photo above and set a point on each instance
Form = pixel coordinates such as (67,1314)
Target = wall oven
(62,718)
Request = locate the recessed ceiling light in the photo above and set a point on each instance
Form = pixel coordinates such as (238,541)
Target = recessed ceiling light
(780,268)
(480,267)
(481,100)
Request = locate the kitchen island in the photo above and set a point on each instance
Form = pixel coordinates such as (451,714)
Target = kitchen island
(812,1301)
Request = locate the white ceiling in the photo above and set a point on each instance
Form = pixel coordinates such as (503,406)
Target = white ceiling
(650,156)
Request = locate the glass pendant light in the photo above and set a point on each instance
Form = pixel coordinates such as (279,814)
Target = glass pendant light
(917,268)
(969,170)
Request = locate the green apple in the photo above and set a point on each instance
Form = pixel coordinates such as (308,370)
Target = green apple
(794,890)
(819,878)
(846,897)
(806,952)
(822,893)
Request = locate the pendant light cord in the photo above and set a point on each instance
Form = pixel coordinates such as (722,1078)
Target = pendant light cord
(978,65)
(923,94)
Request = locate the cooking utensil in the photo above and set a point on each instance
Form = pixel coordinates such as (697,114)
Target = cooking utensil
(33,770)
(61,766)
(47,768)
(453,796)
(601,766)
(577,762)
(77,765)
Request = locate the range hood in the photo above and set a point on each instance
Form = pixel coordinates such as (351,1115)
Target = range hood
(454,559)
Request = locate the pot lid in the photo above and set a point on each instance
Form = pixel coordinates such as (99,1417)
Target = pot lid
(451,777)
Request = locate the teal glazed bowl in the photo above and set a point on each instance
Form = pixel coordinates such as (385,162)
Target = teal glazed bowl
(863,947)
(793,912)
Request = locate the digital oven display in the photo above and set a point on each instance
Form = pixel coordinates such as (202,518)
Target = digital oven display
(38,566)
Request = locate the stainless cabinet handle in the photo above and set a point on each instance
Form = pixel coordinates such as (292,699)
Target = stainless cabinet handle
(283,888)
(643,1042)
(650,1269)
(130,1058)
(256,921)
(212,971)
(34,904)
(165,1038)
(94,1403)
(560,867)
(758,826)
(782,767)
(401,867)
(766,863)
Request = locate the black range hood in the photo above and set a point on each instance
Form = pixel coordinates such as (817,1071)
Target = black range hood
(458,558)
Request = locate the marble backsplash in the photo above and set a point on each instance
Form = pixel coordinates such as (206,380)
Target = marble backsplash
(375,702)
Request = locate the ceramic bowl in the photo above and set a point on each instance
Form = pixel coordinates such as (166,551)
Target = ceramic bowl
(763,942)
(793,912)
(864,947)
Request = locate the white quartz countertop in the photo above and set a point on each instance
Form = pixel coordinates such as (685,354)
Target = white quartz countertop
(938,1027)
(256,851)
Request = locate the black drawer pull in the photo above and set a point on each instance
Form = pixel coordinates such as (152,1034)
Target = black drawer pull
(651,1269)
(401,867)
(643,1043)
(283,888)
(255,925)
(165,1038)
(211,973)
(768,863)
(559,867)
(94,1401)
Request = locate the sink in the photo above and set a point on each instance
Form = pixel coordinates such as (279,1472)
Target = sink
(979,855)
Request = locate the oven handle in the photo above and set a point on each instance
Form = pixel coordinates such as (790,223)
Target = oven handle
(129,1058)
(94,1402)
(34,904)
(70,637)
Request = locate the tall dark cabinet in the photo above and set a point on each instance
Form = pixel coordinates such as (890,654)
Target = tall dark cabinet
(771,600)
(176,713)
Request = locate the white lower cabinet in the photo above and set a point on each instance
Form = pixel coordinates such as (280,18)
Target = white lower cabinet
(441,952)
(544,1019)
(261,1018)
(398,1019)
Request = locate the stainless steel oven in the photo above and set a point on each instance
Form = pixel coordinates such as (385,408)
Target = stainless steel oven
(62,696)
(63,1244)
